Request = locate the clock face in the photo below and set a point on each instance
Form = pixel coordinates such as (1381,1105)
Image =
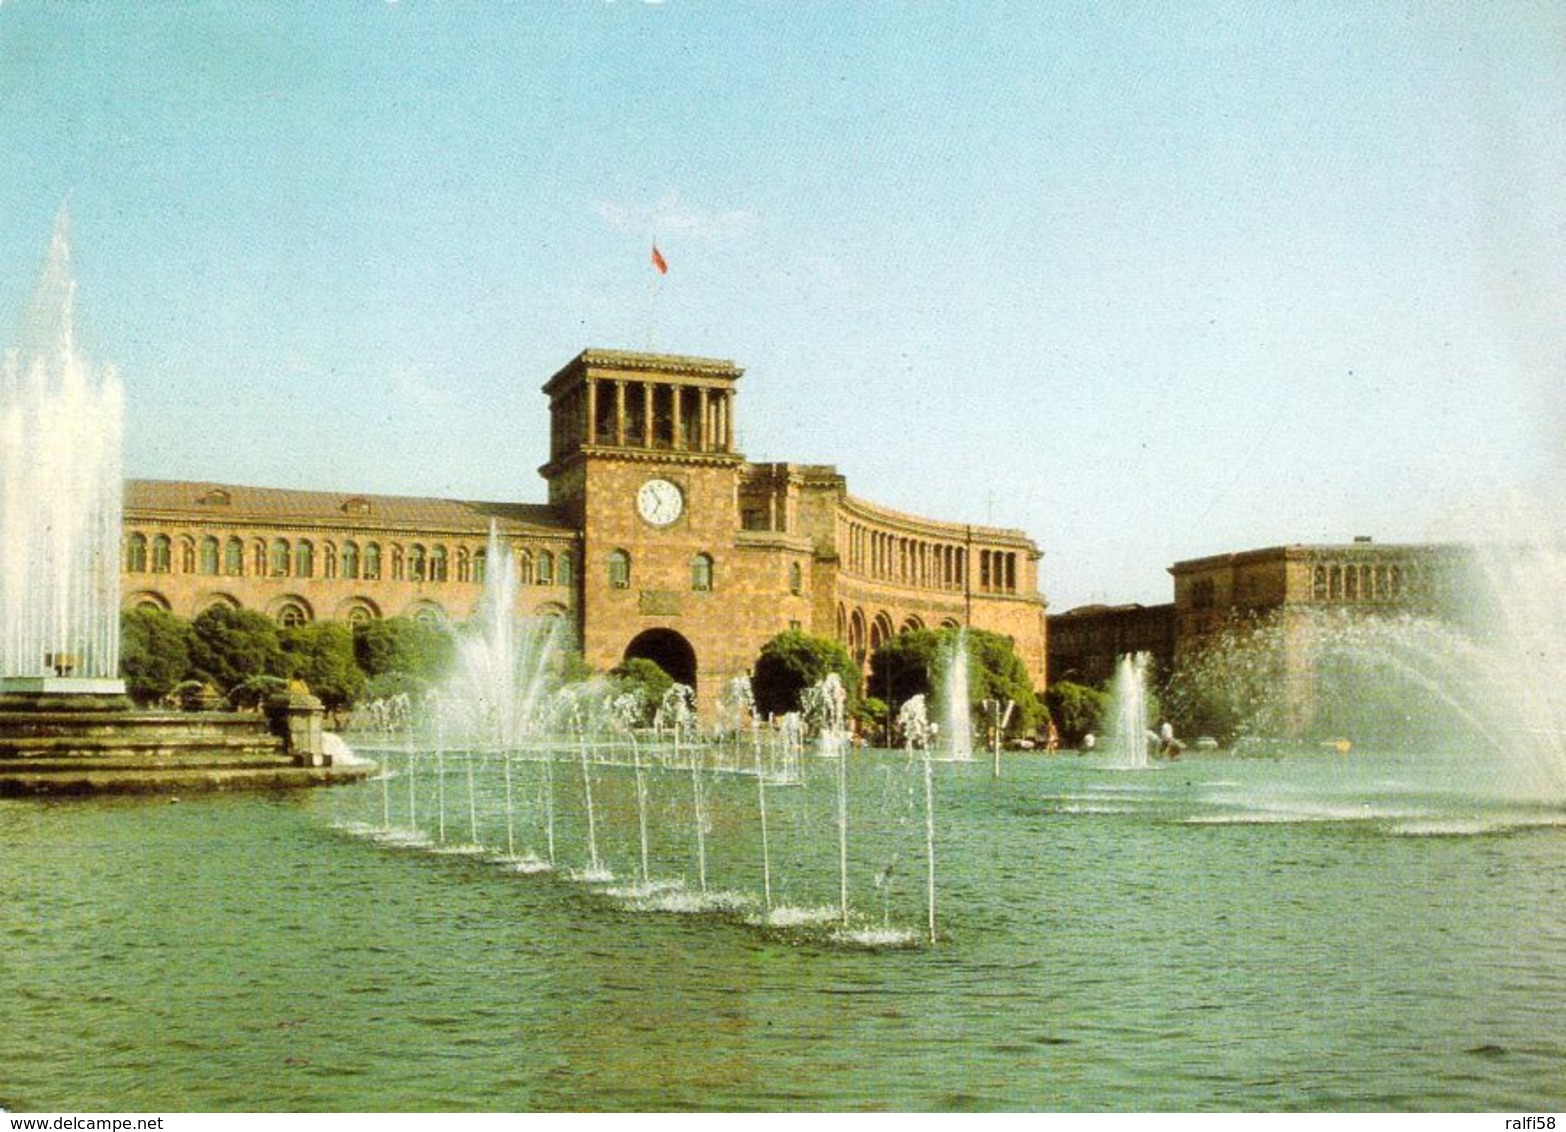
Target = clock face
(659,502)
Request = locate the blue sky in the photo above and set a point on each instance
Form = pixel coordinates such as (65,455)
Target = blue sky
(1149,281)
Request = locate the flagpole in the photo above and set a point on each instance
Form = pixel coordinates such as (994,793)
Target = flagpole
(654,287)
(654,291)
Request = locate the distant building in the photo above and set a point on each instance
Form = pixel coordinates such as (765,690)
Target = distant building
(1362,578)
(1086,642)
(658,539)
(1285,606)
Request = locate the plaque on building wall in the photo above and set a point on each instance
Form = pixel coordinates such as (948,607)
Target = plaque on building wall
(659,603)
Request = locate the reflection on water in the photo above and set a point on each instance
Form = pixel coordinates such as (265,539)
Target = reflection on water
(1323,933)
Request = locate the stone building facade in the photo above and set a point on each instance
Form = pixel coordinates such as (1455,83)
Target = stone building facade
(1362,578)
(658,539)
(1086,642)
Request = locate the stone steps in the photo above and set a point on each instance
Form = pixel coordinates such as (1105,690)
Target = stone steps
(80,781)
(60,762)
(33,748)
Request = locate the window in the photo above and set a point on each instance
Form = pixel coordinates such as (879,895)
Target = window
(277,563)
(304,559)
(480,564)
(372,561)
(187,556)
(417,570)
(359,615)
(136,554)
(525,567)
(464,565)
(397,563)
(1318,583)
(753,519)
(162,555)
(701,572)
(292,615)
(438,568)
(209,555)
(796,581)
(258,558)
(567,568)
(234,557)
(329,560)
(350,560)
(619,569)
(544,571)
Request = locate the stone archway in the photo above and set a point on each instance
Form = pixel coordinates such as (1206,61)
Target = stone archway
(668,650)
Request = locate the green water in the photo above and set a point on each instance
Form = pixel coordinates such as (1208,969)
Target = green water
(1320,933)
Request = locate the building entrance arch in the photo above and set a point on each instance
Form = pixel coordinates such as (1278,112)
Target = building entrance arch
(668,650)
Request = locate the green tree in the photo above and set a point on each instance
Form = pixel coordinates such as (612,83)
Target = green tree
(645,678)
(915,663)
(154,653)
(793,661)
(230,646)
(322,655)
(403,645)
(1076,709)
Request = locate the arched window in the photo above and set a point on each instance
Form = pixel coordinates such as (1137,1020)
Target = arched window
(277,564)
(619,569)
(350,559)
(162,554)
(796,578)
(464,565)
(329,560)
(234,557)
(372,561)
(1318,583)
(480,565)
(136,554)
(567,567)
(258,558)
(187,555)
(701,572)
(544,571)
(292,615)
(359,615)
(437,564)
(397,562)
(417,570)
(209,555)
(304,559)
(525,567)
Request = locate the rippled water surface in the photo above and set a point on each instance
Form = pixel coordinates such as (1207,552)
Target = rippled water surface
(1317,933)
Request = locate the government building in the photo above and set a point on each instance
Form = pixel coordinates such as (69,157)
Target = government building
(658,539)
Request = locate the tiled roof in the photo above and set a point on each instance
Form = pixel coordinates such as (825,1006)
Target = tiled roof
(239,504)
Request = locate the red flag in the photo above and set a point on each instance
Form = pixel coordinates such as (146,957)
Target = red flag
(659,262)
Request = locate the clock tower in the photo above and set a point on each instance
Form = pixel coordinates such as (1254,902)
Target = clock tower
(642,462)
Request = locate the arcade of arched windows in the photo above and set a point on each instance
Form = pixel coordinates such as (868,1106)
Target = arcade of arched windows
(1360,582)
(862,635)
(233,556)
(927,563)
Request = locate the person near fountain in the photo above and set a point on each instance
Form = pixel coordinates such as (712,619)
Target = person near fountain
(1168,746)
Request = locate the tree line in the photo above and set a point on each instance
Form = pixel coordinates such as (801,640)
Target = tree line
(243,656)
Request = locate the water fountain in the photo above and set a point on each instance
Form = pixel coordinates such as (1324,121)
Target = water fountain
(955,711)
(1128,712)
(65,722)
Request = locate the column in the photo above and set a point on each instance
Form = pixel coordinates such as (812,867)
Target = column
(592,412)
(619,414)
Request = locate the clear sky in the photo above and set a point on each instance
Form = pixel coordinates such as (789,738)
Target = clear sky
(1148,281)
